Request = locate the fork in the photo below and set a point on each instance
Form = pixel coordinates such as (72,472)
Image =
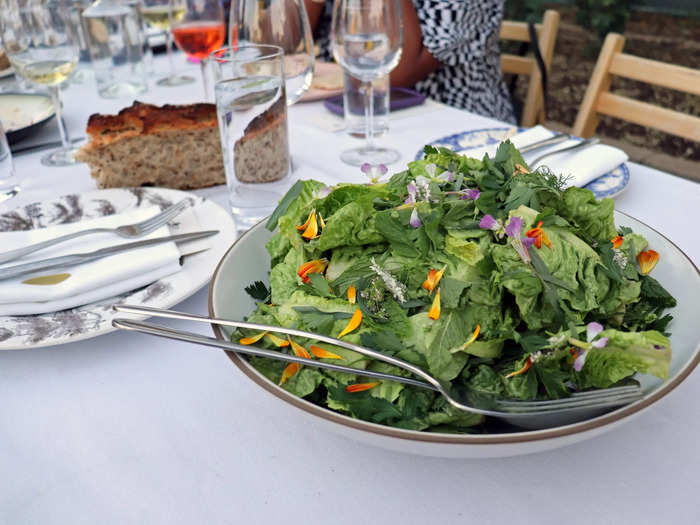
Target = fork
(583,144)
(127,231)
(525,414)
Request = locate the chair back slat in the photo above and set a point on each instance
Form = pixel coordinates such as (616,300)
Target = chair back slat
(657,73)
(517,65)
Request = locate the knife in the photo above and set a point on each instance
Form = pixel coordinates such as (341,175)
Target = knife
(80,258)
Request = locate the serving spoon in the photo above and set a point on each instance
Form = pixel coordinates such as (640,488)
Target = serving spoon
(524,414)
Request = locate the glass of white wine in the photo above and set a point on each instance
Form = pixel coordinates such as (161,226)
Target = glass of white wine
(156,13)
(367,39)
(41,45)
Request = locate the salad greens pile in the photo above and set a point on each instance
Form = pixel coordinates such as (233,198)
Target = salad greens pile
(479,271)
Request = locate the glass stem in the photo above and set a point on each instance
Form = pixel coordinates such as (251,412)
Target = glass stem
(55,96)
(169,50)
(203,66)
(369,115)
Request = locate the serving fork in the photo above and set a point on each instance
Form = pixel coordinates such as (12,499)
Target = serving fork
(526,414)
(126,231)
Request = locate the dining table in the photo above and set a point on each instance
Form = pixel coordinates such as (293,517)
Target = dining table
(130,429)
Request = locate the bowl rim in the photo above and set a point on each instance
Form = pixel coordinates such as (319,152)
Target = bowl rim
(616,416)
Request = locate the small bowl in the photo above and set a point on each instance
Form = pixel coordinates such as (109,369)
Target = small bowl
(37,110)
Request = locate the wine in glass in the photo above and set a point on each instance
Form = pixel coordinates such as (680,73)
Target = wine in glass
(199,31)
(367,38)
(157,14)
(282,23)
(40,42)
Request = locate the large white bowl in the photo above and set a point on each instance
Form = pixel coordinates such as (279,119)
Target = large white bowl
(247,261)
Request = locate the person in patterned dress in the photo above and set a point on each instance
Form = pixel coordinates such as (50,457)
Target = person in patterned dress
(450,52)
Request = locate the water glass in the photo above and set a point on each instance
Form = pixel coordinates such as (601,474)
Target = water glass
(9,186)
(354,96)
(252,111)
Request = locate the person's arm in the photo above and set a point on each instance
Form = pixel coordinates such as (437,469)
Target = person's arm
(416,61)
(314,8)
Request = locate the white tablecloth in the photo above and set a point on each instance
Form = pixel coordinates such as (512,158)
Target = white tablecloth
(122,430)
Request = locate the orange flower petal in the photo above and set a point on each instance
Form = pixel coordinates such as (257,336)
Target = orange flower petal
(434,312)
(360,387)
(354,322)
(312,230)
(473,337)
(299,350)
(433,279)
(277,341)
(539,235)
(525,368)
(352,294)
(319,352)
(617,241)
(315,266)
(289,371)
(320,218)
(253,339)
(647,260)
(308,221)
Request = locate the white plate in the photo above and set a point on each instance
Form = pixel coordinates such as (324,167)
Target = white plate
(608,185)
(248,261)
(95,319)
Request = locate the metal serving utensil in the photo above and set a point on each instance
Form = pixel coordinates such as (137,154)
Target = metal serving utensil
(127,231)
(581,145)
(525,414)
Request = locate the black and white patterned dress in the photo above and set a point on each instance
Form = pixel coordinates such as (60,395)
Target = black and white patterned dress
(463,36)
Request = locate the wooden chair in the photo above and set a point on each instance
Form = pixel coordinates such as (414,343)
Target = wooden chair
(599,101)
(533,107)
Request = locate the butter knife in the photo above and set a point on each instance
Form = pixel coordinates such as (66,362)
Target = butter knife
(80,258)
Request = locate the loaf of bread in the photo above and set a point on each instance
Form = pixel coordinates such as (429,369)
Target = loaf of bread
(170,146)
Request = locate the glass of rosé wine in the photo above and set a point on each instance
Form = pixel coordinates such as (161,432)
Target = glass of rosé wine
(200,31)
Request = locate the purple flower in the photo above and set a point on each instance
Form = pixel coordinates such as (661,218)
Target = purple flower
(415,219)
(412,192)
(470,194)
(580,360)
(521,245)
(514,227)
(487,222)
(447,176)
(592,331)
(322,192)
(366,168)
(374,172)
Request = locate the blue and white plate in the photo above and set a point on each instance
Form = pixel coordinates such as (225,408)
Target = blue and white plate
(609,185)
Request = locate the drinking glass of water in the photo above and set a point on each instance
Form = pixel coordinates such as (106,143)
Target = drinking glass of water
(40,42)
(9,186)
(367,37)
(252,110)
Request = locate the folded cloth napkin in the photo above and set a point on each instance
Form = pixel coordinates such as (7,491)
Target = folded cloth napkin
(582,166)
(91,281)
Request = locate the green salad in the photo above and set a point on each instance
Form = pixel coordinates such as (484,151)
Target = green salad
(481,272)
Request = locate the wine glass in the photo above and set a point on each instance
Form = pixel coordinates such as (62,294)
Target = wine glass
(199,31)
(282,23)
(41,45)
(156,13)
(367,37)
(8,183)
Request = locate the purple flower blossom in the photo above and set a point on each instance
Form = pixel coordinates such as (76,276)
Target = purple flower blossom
(513,230)
(470,194)
(592,331)
(415,219)
(514,227)
(487,222)
(580,360)
(382,169)
(366,168)
(412,192)
(322,192)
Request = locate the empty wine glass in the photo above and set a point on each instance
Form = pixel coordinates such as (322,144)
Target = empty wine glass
(156,13)
(199,31)
(40,42)
(282,23)
(367,38)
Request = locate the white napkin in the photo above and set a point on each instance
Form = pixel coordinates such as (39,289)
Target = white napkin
(582,166)
(91,281)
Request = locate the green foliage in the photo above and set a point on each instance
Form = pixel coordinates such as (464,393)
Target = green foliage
(603,16)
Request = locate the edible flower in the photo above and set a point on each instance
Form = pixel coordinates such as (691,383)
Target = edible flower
(304,226)
(581,348)
(360,387)
(352,294)
(253,339)
(322,353)
(412,190)
(354,322)
(617,242)
(315,266)
(434,312)
(470,194)
(539,236)
(289,371)
(433,279)
(647,260)
(487,222)
(469,341)
(374,172)
(415,221)
(311,231)
(521,245)
(525,368)
(277,341)
(299,350)
(320,219)
(519,168)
